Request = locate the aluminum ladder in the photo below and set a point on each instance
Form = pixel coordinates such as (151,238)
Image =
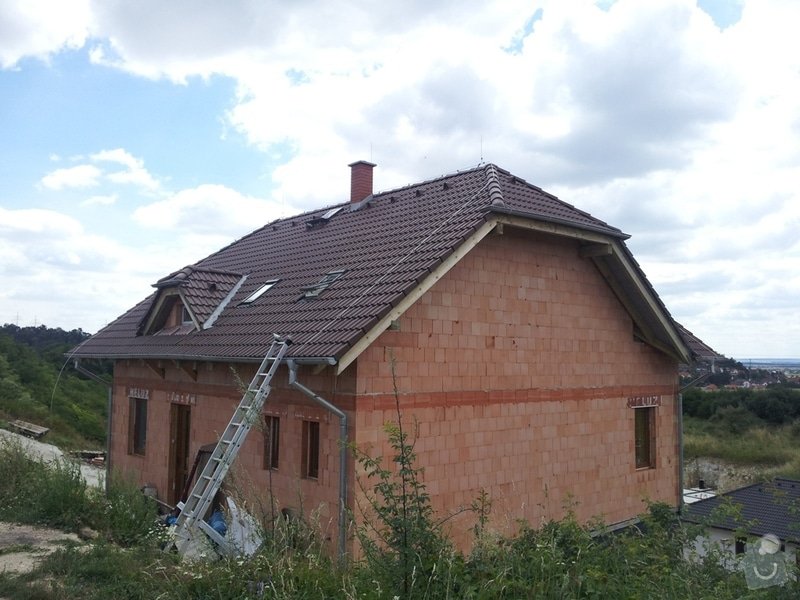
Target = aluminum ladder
(190,521)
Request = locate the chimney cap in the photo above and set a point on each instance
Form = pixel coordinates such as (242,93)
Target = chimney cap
(362,162)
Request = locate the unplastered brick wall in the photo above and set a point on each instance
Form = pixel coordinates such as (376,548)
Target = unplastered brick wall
(212,398)
(517,367)
(518,312)
(535,458)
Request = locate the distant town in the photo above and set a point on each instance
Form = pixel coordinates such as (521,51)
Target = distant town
(728,373)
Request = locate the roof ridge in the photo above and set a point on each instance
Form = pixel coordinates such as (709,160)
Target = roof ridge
(493,183)
(411,186)
(185,272)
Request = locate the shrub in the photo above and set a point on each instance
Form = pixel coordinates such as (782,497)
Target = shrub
(404,546)
(126,515)
(735,419)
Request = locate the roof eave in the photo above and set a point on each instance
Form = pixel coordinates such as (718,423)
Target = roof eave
(301,360)
(505,210)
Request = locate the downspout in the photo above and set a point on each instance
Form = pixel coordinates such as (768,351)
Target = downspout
(342,450)
(109,407)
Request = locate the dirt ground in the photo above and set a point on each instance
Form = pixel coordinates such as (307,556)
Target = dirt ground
(21,546)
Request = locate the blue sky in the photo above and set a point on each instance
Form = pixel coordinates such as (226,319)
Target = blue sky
(139,137)
(57,113)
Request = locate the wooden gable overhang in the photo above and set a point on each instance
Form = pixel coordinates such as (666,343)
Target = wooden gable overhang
(652,322)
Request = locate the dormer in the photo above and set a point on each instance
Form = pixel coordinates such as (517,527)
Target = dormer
(169,315)
(189,300)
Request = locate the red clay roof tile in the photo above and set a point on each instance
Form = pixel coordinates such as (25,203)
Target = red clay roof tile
(386,245)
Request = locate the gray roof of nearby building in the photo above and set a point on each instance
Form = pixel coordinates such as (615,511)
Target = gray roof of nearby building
(386,244)
(761,508)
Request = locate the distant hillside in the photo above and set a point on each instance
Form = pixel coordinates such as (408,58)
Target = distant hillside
(30,361)
(737,436)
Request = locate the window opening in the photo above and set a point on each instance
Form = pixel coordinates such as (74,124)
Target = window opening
(312,291)
(272,437)
(310,458)
(137,432)
(645,437)
(260,291)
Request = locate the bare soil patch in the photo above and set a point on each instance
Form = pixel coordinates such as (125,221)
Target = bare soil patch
(22,546)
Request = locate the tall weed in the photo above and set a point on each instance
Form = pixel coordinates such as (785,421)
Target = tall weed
(403,545)
(32,491)
(126,515)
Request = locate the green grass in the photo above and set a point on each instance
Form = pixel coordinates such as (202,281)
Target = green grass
(15,548)
(776,450)
(563,559)
(770,451)
(55,494)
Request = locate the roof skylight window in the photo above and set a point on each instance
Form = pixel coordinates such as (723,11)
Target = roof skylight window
(312,291)
(324,217)
(331,212)
(260,291)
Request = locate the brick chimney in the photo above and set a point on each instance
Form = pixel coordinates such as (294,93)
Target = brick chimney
(360,180)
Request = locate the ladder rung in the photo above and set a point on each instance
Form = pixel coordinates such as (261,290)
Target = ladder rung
(232,438)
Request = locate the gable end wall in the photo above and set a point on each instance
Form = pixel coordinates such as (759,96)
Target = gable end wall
(517,367)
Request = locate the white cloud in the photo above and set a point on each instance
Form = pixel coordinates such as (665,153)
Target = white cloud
(119,156)
(647,114)
(92,175)
(107,200)
(134,172)
(41,27)
(47,255)
(209,209)
(80,176)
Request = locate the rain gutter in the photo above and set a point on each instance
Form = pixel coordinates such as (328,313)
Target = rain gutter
(292,364)
(310,360)
(95,377)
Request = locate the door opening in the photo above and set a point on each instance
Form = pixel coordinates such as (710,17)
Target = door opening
(180,428)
